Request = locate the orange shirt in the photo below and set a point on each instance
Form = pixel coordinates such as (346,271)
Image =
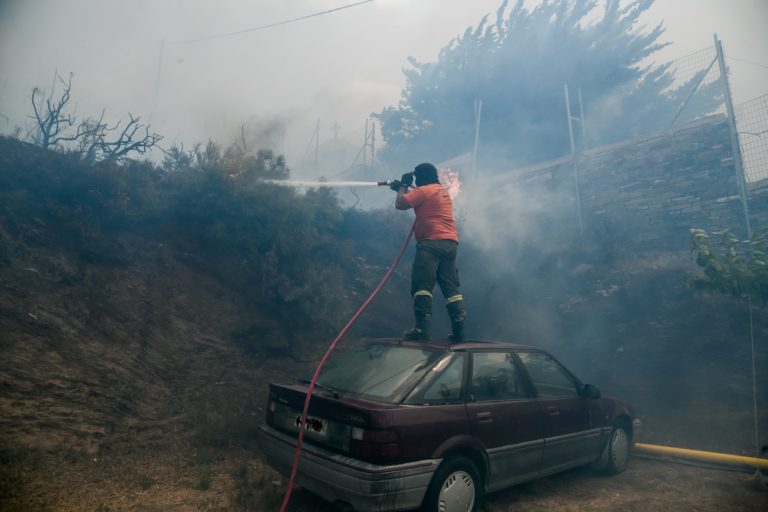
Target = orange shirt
(434,212)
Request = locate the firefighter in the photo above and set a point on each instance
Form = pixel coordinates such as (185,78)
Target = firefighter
(436,244)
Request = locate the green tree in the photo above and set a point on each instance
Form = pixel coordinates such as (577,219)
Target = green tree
(177,158)
(518,66)
(738,268)
(234,162)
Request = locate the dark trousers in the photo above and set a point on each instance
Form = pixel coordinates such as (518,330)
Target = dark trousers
(435,261)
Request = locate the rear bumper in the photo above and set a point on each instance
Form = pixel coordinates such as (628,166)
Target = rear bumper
(337,478)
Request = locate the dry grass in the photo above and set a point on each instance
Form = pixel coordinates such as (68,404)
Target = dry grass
(239,481)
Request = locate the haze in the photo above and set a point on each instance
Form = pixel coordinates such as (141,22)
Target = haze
(336,68)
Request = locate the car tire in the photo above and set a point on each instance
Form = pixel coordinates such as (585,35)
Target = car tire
(616,452)
(455,487)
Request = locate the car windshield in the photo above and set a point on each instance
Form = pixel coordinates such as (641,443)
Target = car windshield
(379,372)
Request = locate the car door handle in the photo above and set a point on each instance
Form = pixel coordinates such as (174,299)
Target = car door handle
(553,411)
(484,417)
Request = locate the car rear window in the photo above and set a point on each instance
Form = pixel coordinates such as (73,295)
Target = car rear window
(378,372)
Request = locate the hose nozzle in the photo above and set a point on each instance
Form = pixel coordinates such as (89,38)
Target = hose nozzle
(389,183)
(386,183)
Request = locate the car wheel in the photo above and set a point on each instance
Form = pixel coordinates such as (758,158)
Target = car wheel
(456,487)
(616,452)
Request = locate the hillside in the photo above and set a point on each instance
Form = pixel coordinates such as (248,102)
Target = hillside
(143,312)
(139,307)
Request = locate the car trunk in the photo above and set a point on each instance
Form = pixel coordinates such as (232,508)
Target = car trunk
(354,427)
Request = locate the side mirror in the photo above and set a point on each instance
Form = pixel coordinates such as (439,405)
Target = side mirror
(590,391)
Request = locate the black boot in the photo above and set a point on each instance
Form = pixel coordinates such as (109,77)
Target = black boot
(457,315)
(457,334)
(421,331)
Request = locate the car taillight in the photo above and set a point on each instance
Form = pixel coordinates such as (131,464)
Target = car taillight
(374,445)
(271,406)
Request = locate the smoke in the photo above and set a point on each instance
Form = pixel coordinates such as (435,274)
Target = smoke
(505,217)
(131,58)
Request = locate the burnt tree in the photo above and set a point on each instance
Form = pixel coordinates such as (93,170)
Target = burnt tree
(49,116)
(90,138)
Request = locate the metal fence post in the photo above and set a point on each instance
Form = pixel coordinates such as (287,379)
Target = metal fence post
(478,114)
(737,162)
(573,159)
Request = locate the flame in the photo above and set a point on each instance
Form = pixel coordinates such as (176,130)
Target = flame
(450,180)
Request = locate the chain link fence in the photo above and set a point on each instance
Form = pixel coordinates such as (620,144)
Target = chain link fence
(696,87)
(752,127)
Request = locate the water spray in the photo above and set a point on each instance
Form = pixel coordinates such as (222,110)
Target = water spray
(448,177)
(339,184)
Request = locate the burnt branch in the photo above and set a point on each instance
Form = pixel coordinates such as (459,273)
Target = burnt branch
(127,140)
(49,116)
(87,128)
(89,133)
(90,138)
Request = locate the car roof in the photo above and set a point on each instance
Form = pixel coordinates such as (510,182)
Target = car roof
(448,345)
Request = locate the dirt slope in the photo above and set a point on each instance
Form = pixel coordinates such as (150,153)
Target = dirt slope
(100,352)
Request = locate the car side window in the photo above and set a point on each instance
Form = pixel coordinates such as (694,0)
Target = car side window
(495,377)
(549,378)
(446,387)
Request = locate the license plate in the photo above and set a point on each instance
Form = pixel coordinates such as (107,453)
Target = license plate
(315,425)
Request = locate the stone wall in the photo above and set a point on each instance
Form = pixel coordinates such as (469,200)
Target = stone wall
(647,193)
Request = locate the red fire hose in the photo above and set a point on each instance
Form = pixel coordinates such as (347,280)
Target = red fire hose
(297,455)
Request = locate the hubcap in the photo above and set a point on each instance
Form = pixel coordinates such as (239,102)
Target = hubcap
(457,493)
(619,447)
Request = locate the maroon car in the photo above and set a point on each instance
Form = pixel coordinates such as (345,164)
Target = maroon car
(399,425)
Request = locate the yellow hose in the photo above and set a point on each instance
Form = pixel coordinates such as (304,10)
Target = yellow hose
(705,456)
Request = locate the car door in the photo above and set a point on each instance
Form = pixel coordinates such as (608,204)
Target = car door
(572,437)
(436,416)
(504,416)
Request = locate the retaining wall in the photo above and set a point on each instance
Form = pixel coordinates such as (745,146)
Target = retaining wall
(647,193)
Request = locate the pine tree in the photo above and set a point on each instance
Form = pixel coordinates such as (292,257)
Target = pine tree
(518,66)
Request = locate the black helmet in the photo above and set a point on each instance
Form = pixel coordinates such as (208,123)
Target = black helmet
(425,174)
